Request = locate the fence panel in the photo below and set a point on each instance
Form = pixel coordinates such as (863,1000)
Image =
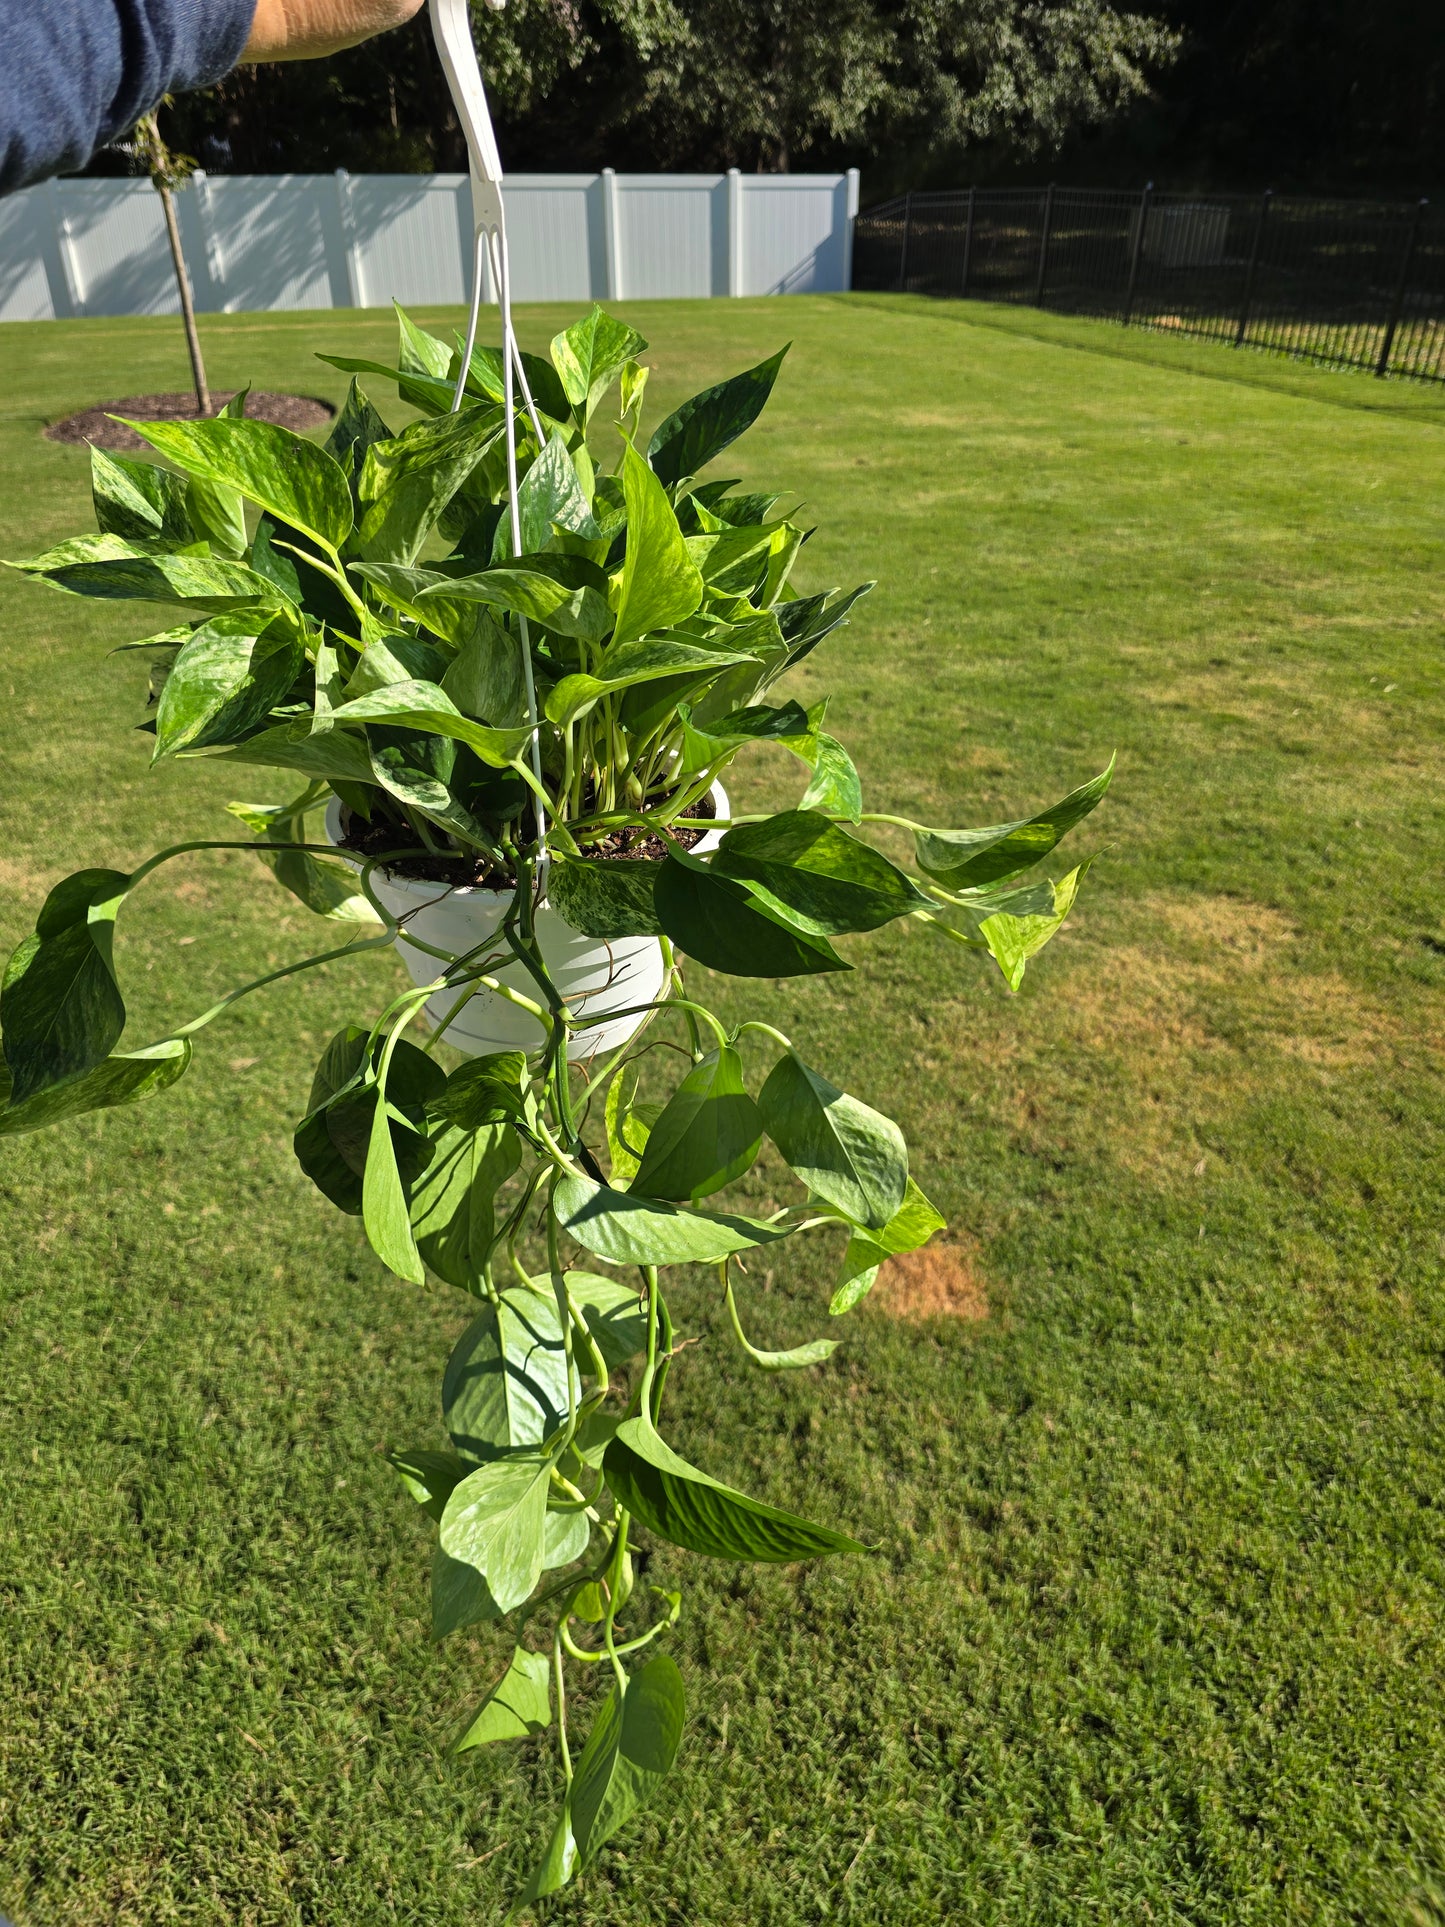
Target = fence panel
(1350,283)
(281,241)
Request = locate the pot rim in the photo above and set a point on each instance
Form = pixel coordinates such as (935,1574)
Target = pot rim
(429,892)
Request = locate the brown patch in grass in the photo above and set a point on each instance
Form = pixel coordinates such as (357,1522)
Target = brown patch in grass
(941,1281)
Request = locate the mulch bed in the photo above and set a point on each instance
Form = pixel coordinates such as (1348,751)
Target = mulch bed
(298,412)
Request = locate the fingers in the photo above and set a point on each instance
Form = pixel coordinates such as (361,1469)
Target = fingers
(310,29)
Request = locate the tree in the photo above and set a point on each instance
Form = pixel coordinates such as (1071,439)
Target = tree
(760,84)
(169,171)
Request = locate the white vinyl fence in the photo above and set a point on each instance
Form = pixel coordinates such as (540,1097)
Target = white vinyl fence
(271,241)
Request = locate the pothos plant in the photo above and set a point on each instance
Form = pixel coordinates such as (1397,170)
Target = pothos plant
(372,615)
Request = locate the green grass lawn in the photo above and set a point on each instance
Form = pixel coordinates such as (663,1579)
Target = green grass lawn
(1154,1633)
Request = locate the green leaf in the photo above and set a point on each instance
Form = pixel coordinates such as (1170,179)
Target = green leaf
(1015,935)
(486,679)
(353,432)
(589,357)
(807,619)
(553,1871)
(708,1134)
(725,924)
(484,1090)
(452,1214)
(333,1140)
(628,1125)
(703,427)
(115,570)
(689,1509)
(337,755)
(137,500)
(505,1386)
(834,786)
(281,471)
(518,1705)
(561,592)
(628,1754)
(637,1231)
(432,394)
(550,497)
(61,1010)
(459,1596)
(910,1228)
(118,1080)
(485,377)
(760,724)
(330,889)
(495,1522)
(816,874)
(616,1316)
(383,1201)
(389,660)
(406,482)
(567,1535)
(972,859)
(605,897)
(430,1477)
(629,663)
(661,584)
(852,1157)
(226,680)
(424,706)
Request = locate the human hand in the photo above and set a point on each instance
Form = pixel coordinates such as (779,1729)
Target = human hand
(310,29)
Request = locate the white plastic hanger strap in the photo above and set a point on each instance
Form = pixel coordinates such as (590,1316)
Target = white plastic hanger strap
(451,27)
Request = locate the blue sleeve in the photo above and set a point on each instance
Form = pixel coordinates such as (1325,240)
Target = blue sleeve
(75,74)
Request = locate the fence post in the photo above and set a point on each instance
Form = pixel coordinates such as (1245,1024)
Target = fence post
(735,231)
(1248,302)
(967,244)
(1044,244)
(907,236)
(611,239)
(850,216)
(350,250)
(1397,306)
(1136,253)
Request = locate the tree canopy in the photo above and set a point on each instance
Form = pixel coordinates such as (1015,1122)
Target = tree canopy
(767,85)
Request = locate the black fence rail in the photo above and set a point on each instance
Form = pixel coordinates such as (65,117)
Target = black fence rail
(1357,284)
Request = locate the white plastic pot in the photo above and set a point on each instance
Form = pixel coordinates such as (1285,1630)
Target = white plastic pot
(594,975)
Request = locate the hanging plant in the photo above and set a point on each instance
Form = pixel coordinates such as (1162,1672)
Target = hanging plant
(369,616)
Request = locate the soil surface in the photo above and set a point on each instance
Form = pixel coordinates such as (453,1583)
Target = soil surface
(477,872)
(299,412)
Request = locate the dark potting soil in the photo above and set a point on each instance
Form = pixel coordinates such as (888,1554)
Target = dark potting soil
(299,412)
(477,872)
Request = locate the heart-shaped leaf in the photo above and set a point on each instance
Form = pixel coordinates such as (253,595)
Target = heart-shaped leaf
(628,1754)
(661,584)
(518,1705)
(688,1508)
(495,1522)
(61,1010)
(505,1387)
(711,421)
(636,1231)
(708,1133)
(281,471)
(973,859)
(816,873)
(725,924)
(848,1154)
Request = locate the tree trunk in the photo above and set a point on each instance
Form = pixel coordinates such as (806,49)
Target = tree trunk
(188,311)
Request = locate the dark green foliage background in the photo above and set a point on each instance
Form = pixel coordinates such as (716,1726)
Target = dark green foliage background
(1154,1631)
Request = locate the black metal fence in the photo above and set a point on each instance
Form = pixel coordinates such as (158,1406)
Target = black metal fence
(1357,284)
